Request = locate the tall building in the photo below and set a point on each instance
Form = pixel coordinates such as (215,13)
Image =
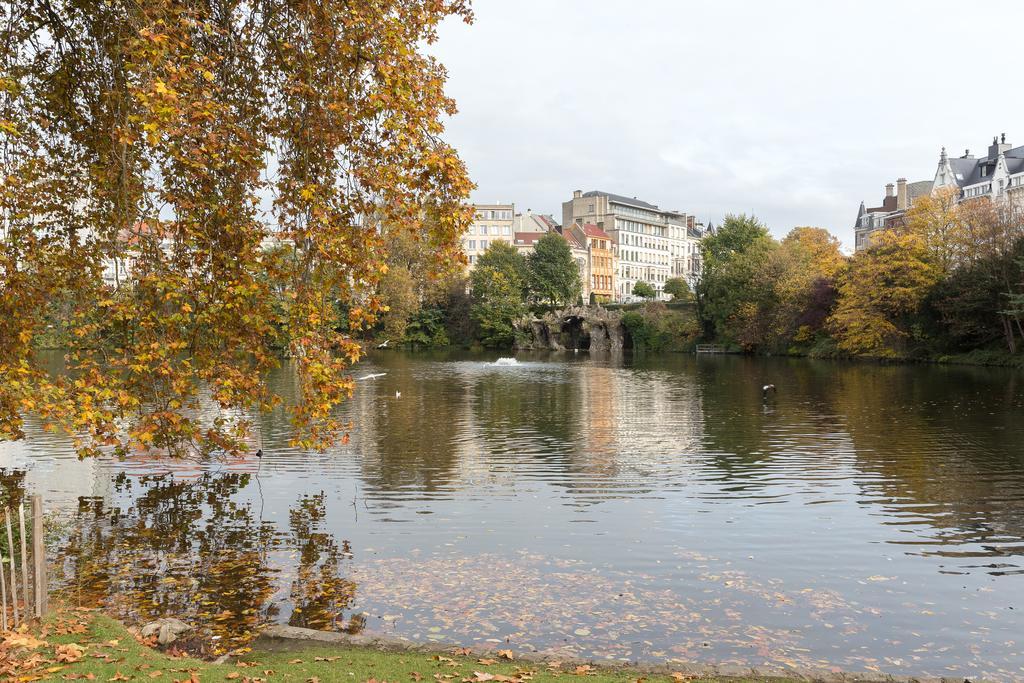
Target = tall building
(650,244)
(491,223)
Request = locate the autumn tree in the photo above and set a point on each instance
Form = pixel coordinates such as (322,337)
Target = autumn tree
(938,221)
(881,294)
(804,276)
(180,139)
(414,286)
(553,275)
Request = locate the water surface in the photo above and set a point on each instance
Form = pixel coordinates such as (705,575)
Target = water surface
(648,508)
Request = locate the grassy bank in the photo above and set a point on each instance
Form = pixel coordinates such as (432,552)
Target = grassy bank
(89,646)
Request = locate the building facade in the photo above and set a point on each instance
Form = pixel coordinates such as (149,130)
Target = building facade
(600,285)
(998,176)
(649,244)
(491,223)
(898,198)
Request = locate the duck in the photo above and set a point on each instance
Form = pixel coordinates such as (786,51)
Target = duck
(765,389)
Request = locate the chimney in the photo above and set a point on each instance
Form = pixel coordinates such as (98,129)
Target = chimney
(577,194)
(901,194)
(888,190)
(997,147)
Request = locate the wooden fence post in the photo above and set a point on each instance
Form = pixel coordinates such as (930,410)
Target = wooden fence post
(3,597)
(38,558)
(14,573)
(24,559)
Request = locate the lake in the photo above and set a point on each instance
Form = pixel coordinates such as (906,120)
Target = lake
(621,508)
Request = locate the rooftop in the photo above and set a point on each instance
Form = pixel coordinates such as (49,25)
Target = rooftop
(620,199)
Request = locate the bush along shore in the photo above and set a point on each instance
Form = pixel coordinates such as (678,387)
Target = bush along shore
(86,645)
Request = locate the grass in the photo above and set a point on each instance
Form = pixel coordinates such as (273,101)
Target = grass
(106,651)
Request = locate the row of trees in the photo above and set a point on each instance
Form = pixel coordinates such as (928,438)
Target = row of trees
(949,279)
(425,306)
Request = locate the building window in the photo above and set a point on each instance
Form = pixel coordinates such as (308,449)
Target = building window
(506,230)
(483,244)
(472,244)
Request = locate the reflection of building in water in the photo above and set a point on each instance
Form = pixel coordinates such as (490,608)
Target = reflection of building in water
(634,423)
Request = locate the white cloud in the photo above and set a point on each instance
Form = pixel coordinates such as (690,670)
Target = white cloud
(794,110)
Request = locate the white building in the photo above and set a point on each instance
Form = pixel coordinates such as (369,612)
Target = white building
(651,244)
(491,223)
(997,175)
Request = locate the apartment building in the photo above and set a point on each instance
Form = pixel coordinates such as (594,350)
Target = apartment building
(491,223)
(600,285)
(997,176)
(650,244)
(898,198)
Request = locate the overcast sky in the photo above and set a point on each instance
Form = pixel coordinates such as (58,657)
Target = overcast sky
(793,111)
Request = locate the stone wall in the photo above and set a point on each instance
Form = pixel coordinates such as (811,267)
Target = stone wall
(575,327)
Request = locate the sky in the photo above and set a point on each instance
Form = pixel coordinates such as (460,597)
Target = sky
(794,111)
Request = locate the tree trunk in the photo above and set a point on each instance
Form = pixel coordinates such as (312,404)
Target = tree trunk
(1008,330)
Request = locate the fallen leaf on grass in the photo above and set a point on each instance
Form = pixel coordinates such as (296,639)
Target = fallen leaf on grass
(506,654)
(233,675)
(487,662)
(295,661)
(119,677)
(70,653)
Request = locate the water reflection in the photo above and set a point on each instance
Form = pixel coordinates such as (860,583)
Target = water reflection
(648,507)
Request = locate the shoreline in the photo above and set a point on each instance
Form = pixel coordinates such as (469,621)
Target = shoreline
(291,639)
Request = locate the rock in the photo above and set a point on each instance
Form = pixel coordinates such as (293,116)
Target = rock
(165,630)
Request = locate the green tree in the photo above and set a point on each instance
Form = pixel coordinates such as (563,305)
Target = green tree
(678,288)
(644,290)
(498,283)
(735,285)
(553,275)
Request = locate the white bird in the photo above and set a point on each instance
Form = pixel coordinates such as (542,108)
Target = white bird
(372,375)
(383,344)
(766,388)
(398,394)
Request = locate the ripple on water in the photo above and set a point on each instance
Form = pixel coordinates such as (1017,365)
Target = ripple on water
(649,508)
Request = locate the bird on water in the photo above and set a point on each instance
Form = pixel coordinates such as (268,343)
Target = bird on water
(767,388)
